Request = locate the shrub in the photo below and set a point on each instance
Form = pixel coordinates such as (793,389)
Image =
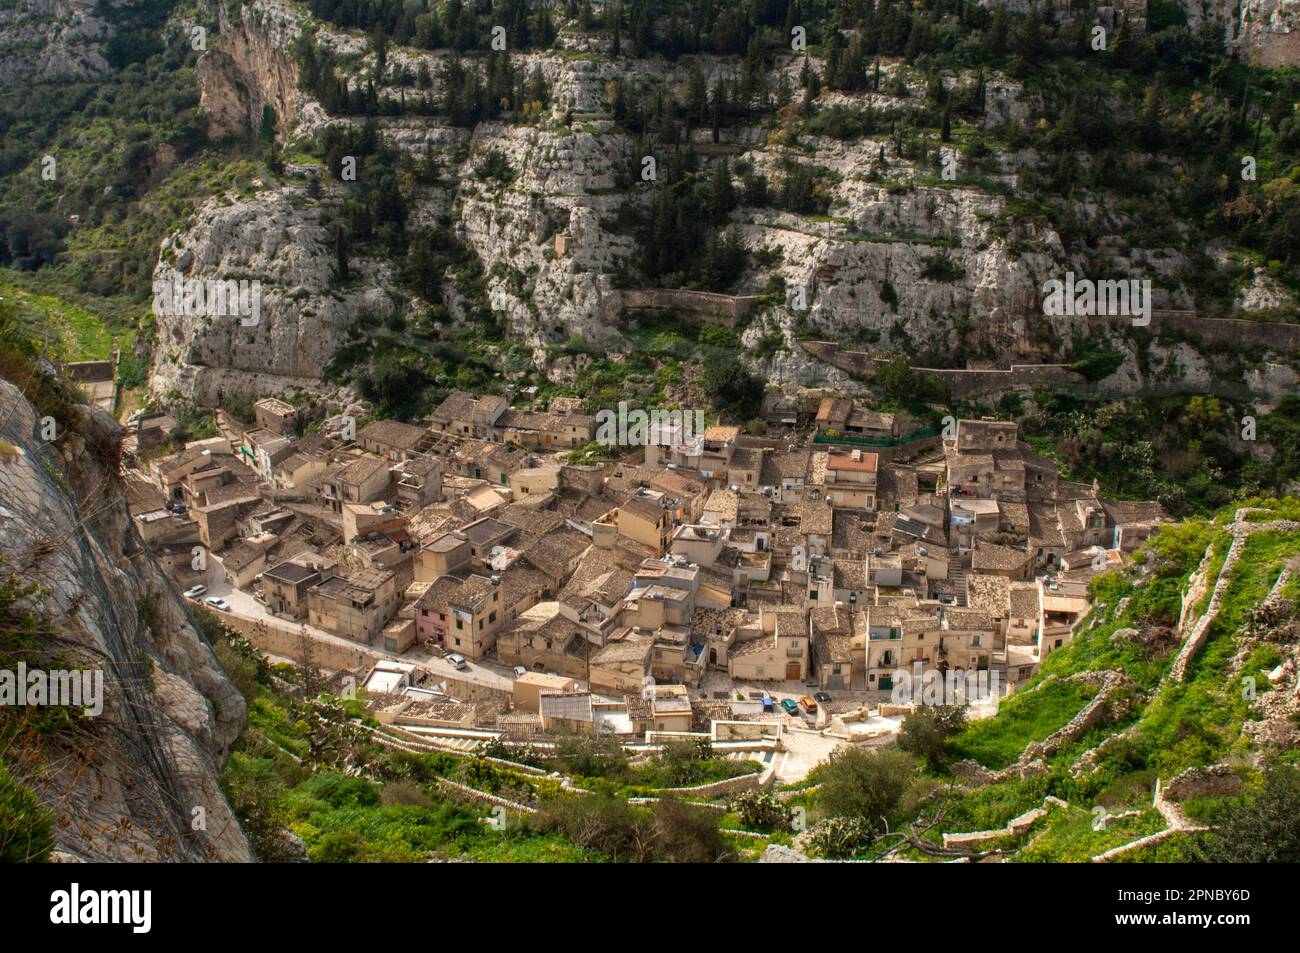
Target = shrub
(26,828)
(761,810)
(686,834)
(592,756)
(732,387)
(600,823)
(839,837)
(1263,828)
(863,784)
(926,731)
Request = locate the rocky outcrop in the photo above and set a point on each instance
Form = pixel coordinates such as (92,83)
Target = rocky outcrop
(555,249)
(1263,32)
(254,67)
(54,40)
(140,780)
(283,243)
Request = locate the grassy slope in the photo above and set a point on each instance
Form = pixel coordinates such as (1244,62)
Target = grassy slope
(79,334)
(1198,722)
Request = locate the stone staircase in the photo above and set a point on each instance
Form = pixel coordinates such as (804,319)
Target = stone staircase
(958,576)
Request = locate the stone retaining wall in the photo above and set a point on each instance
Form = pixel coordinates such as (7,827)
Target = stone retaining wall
(744,782)
(964,384)
(1091,714)
(727,310)
(485,797)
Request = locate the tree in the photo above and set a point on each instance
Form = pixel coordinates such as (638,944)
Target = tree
(732,387)
(999,29)
(1029,39)
(341,252)
(1262,830)
(266,128)
(309,677)
(897,378)
(926,731)
(865,784)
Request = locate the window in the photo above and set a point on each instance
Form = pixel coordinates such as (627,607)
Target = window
(812,593)
(492,617)
(459,625)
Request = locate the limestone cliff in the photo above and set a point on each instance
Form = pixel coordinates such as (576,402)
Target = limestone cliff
(126,784)
(1263,32)
(47,40)
(867,267)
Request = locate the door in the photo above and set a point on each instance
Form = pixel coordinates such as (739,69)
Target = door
(792,671)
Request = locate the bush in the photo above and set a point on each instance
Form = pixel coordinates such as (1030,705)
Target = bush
(1261,830)
(683,762)
(26,828)
(926,731)
(732,387)
(864,784)
(338,790)
(404,792)
(686,834)
(590,756)
(839,837)
(941,267)
(600,823)
(762,811)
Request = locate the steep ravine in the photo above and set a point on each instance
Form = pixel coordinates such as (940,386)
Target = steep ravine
(125,785)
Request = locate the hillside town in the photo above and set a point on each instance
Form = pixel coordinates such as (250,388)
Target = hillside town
(480,583)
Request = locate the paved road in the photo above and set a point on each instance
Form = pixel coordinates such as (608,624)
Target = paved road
(243,605)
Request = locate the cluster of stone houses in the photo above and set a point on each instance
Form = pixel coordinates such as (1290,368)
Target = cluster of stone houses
(773,559)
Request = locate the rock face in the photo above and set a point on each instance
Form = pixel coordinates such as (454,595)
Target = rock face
(282,243)
(253,67)
(1264,32)
(898,263)
(127,784)
(45,40)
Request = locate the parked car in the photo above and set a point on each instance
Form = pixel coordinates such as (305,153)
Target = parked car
(193,592)
(457,660)
(790,705)
(218,603)
(809,705)
(822,697)
(520,671)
